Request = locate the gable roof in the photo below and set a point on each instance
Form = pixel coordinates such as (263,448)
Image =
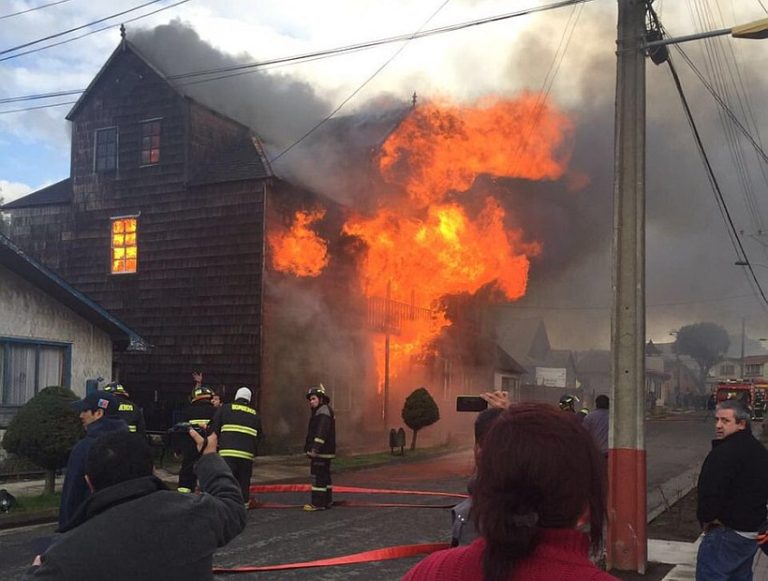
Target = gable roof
(55,194)
(122,48)
(13,258)
(524,339)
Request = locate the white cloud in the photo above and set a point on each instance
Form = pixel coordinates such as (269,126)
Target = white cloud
(10,191)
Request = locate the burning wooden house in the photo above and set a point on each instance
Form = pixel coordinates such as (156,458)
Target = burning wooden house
(173,219)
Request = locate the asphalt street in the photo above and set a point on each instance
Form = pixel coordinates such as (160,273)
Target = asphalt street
(289,535)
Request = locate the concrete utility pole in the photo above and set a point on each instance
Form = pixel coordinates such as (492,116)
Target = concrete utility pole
(627,541)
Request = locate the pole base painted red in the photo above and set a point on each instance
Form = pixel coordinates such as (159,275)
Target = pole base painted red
(627,546)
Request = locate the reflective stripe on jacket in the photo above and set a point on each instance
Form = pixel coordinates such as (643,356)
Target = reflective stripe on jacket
(239,429)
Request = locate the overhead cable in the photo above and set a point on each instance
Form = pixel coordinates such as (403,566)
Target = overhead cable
(20,12)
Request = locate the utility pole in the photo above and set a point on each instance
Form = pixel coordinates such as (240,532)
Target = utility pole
(627,542)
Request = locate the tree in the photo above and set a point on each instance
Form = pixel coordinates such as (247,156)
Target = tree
(419,411)
(45,430)
(706,343)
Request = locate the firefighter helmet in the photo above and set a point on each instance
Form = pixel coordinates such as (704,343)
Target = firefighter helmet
(568,402)
(319,391)
(584,411)
(116,388)
(200,393)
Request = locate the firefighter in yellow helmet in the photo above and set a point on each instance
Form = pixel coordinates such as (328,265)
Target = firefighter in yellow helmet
(238,428)
(128,411)
(320,447)
(199,412)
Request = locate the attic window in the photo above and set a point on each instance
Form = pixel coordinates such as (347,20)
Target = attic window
(106,149)
(125,250)
(150,142)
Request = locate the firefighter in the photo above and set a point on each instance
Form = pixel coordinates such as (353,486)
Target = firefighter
(238,428)
(320,447)
(128,411)
(199,413)
(568,404)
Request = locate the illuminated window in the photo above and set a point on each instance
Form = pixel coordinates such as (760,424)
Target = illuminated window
(150,142)
(106,149)
(125,251)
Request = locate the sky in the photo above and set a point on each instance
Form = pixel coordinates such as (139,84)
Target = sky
(568,52)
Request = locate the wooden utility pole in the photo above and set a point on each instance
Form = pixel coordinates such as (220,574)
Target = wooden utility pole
(627,541)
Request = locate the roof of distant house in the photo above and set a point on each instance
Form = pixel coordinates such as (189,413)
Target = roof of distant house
(756,360)
(13,258)
(58,193)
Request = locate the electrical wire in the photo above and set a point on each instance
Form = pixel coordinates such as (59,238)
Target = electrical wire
(3,17)
(247,68)
(89,33)
(735,239)
(38,107)
(82,26)
(358,89)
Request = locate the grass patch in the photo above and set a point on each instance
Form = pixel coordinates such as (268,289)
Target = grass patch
(37,503)
(379,458)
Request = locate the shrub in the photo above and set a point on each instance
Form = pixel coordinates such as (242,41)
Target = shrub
(419,411)
(45,430)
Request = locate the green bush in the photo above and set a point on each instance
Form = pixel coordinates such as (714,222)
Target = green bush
(419,411)
(45,430)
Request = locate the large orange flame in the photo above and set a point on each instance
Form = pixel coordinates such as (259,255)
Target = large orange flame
(299,250)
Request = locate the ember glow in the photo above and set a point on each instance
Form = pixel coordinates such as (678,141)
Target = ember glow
(299,250)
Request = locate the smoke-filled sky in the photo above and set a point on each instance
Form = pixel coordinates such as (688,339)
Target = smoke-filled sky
(568,52)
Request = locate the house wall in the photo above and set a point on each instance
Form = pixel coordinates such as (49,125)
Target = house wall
(26,312)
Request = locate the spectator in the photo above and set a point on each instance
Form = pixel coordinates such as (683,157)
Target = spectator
(732,496)
(134,528)
(596,423)
(462,531)
(538,474)
(98,414)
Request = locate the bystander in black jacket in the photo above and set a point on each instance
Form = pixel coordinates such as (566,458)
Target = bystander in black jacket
(733,483)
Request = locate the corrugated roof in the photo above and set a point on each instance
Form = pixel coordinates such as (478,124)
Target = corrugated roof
(13,258)
(58,193)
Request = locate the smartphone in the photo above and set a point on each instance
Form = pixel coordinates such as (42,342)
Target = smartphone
(470,403)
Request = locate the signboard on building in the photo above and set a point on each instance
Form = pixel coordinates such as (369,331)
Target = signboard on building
(550,376)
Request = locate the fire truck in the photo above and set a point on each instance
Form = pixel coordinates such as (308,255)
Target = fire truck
(751,393)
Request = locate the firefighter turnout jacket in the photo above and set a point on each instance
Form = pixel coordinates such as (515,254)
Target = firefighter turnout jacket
(132,415)
(321,433)
(238,427)
(199,413)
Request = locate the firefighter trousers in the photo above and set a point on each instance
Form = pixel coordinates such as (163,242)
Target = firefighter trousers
(241,470)
(322,491)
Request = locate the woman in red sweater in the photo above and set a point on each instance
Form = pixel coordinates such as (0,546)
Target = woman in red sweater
(539,475)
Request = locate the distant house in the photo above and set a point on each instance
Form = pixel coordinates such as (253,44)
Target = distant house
(550,373)
(755,367)
(50,333)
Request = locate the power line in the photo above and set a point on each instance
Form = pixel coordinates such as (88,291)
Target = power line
(358,89)
(40,96)
(32,9)
(58,34)
(102,29)
(39,107)
(246,68)
(608,307)
(735,239)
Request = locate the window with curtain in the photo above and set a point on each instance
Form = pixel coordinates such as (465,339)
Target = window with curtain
(26,367)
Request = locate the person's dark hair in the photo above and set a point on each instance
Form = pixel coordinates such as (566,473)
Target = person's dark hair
(602,402)
(740,412)
(538,468)
(484,421)
(117,457)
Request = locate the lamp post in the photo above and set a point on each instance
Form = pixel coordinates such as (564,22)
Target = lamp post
(627,539)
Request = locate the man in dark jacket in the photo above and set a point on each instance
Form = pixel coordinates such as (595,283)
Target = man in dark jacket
(732,493)
(128,411)
(133,528)
(199,412)
(238,428)
(98,414)
(320,447)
